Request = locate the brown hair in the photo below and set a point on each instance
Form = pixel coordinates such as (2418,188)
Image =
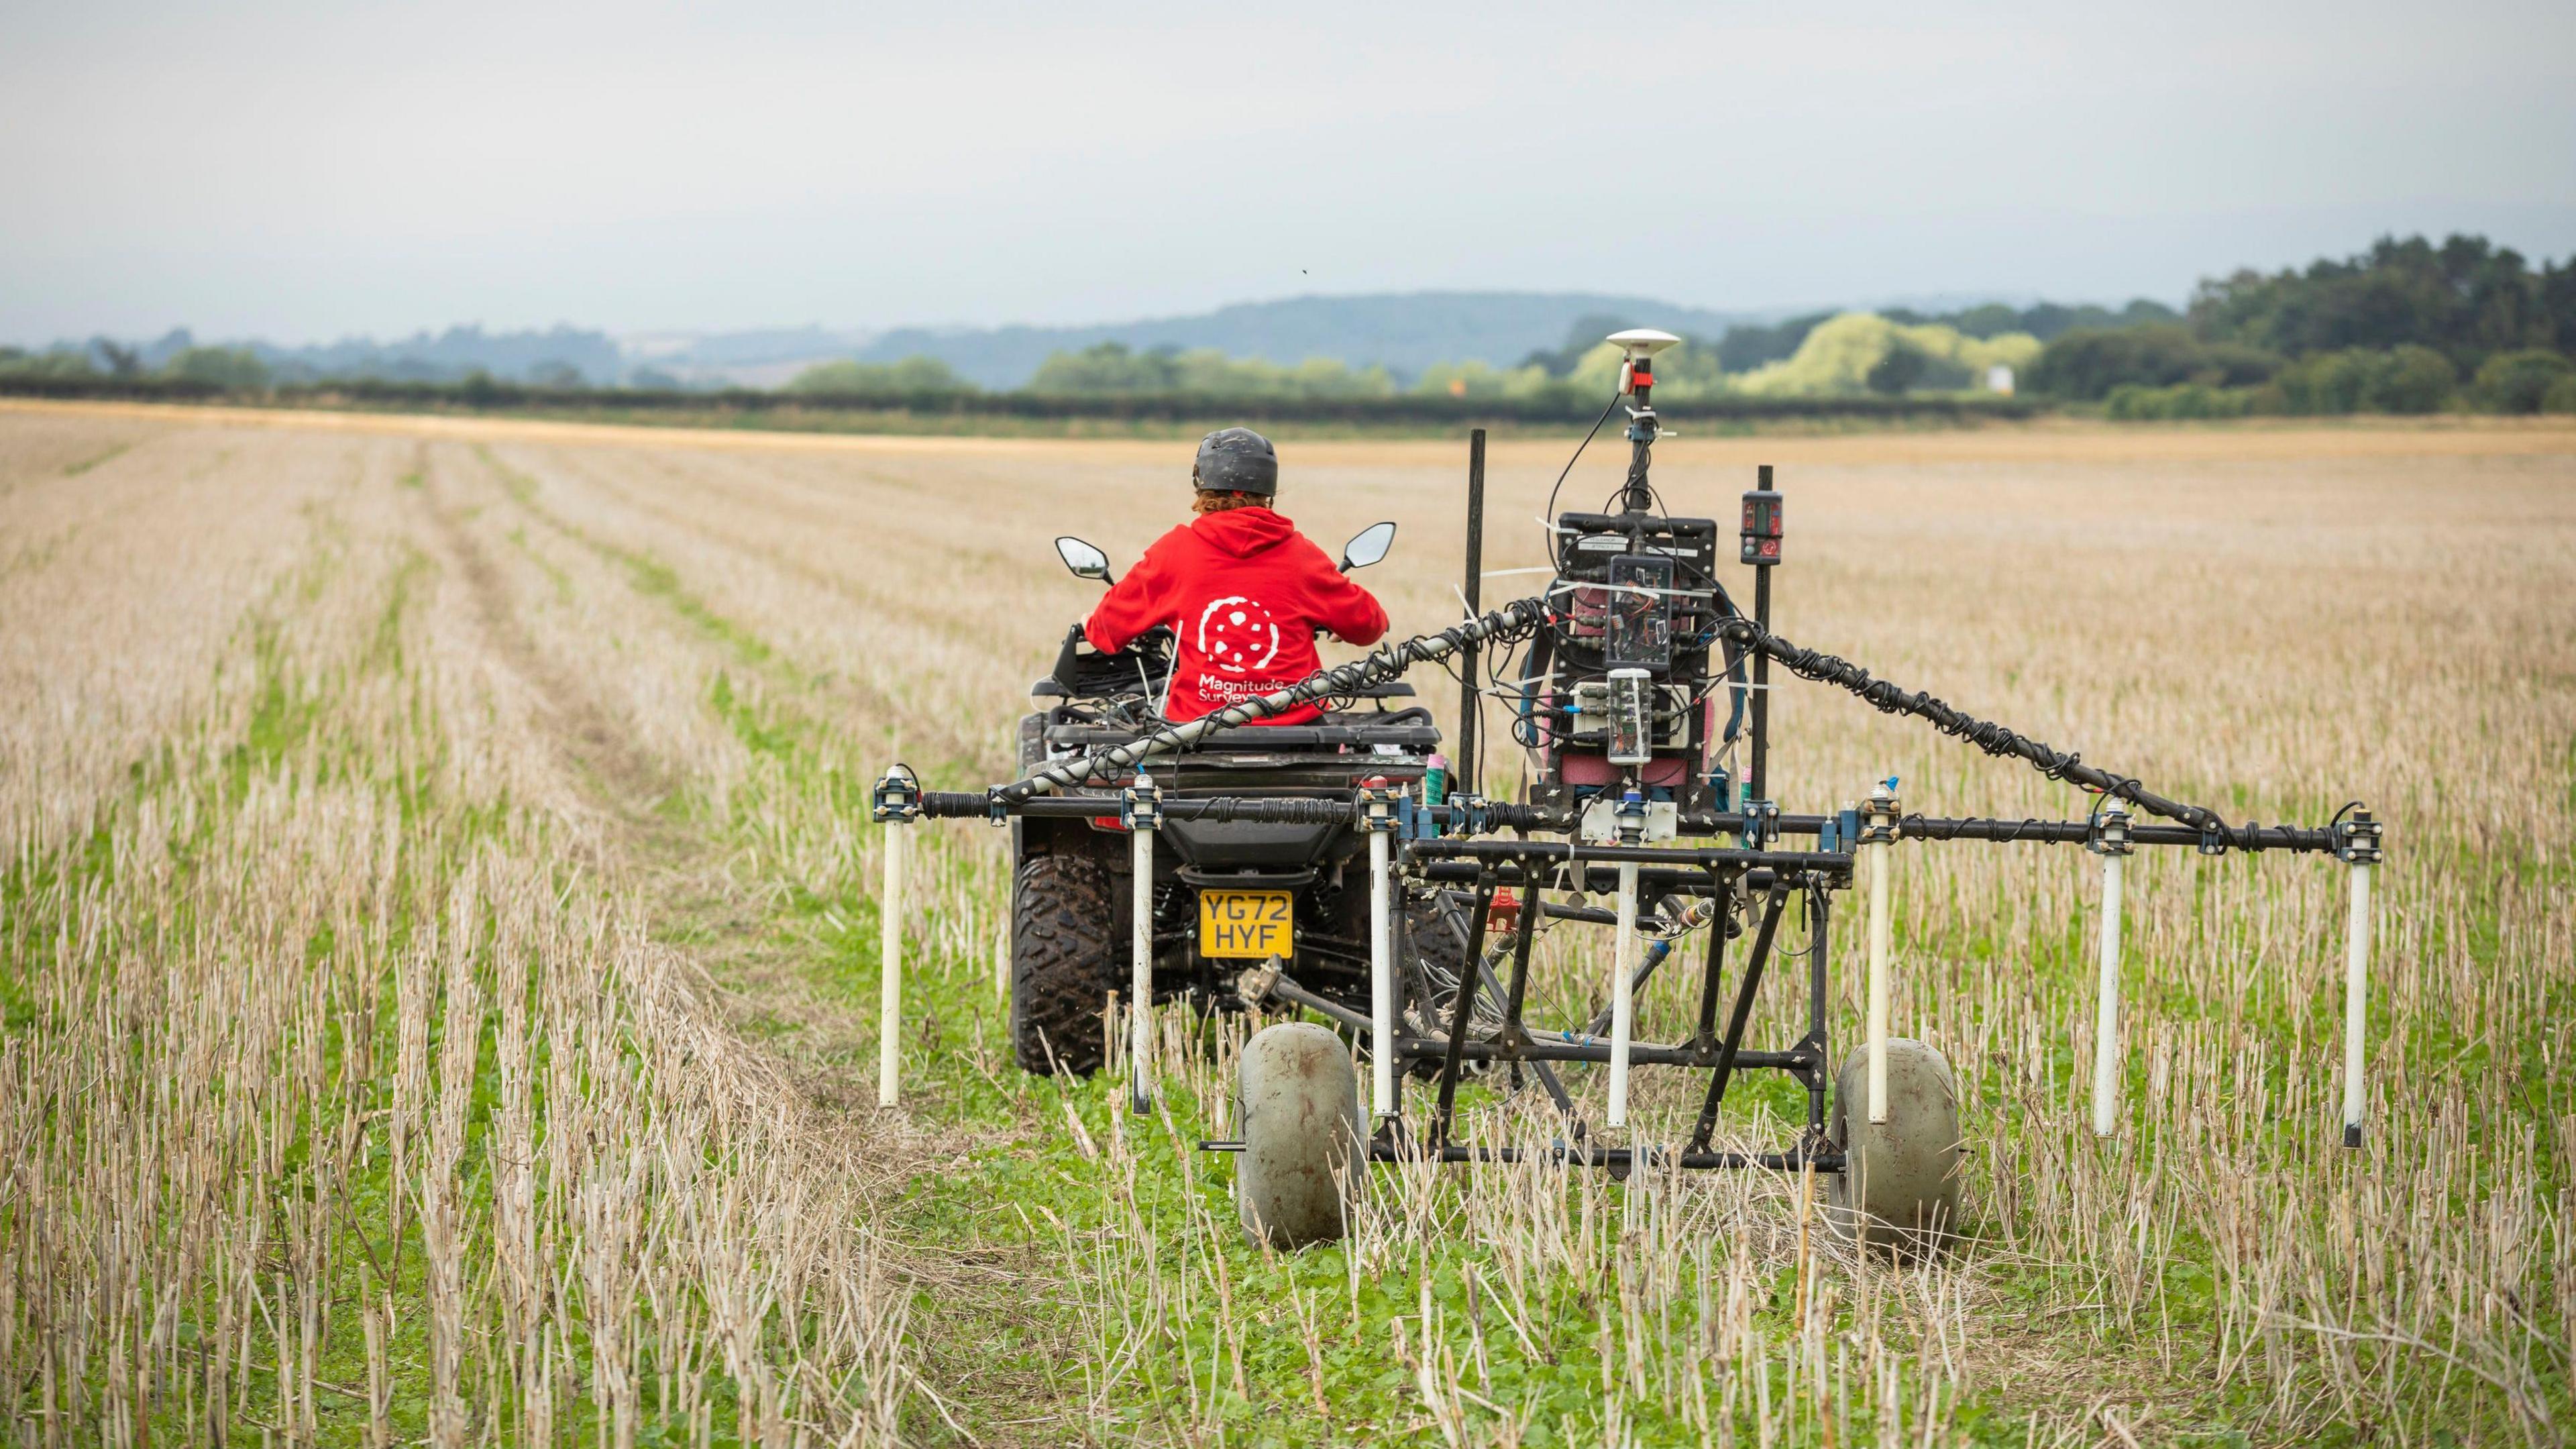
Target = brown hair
(1210,501)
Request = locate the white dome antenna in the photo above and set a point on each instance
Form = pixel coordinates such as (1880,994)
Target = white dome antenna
(1637,380)
(1642,341)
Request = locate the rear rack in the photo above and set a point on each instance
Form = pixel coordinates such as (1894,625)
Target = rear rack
(1410,735)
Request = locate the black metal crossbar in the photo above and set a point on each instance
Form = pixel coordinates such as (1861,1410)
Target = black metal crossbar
(1701,857)
(1553,1046)
(1619,1160)
(2249,836)
(2215,835)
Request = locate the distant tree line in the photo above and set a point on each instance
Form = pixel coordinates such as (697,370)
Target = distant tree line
(1852,354)
(2405,327)
(561,357)
(792,408)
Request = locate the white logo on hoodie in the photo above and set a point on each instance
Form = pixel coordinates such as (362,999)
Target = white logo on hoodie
(1237,635)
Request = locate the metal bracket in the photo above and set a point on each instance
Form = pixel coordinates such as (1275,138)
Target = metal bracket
(1630,818)
(1380,808)
(2357,838)
(2213,836)
(1253,984)
(1140,805)
(1415,818)
(896,798)
(1471,814)
(1807,1064)
(1881,818)
(2108,830)
(1761,823)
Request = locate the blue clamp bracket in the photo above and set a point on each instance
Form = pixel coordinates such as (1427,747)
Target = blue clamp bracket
(1840,831)
(1472,815)
(1379,808)
(1140,805)
(896,798)
(1630,816)
(1761,823)
(1414,820)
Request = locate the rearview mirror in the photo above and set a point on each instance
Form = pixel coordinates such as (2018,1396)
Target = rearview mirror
(1368,546)
(1086,561)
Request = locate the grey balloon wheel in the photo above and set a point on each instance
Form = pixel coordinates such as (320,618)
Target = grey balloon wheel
(1297,1104)
(1899,1187)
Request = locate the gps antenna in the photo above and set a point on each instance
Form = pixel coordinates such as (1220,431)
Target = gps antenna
(1637,379)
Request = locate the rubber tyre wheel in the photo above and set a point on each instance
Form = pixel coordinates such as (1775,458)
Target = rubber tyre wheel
(1064,962)
(1297,1104)
(1899,1187)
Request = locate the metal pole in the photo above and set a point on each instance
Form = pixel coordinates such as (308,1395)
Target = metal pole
(2356,1000)
(1381,980)
(1818,909)
(1761,747)
(1623,992)
(1760,787)
(1140,989)
(1882,940)
(1468,657)
(1462,1011)
(890,966)
(2114,846)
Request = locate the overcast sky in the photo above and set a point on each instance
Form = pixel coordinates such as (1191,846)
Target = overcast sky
(304,172)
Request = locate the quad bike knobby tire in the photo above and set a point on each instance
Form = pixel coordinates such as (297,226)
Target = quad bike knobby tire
(1064,961)
(1899,1187)
(1297,1104)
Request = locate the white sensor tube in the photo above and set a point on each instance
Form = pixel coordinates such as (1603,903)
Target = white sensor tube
(1140,990)
(1381,979)
(1882,945)
(2356,1001)
(890,966)
(2106,1024)
(1623,1005)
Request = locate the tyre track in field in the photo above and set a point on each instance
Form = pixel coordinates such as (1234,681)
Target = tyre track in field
(674,872)
(761,973)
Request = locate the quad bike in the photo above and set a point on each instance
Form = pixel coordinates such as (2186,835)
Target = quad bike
(1338,871)
(1227,896)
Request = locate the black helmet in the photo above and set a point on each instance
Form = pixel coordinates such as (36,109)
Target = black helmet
(1236,460)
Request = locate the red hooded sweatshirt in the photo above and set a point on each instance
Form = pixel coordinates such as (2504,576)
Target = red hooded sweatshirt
(1245,591)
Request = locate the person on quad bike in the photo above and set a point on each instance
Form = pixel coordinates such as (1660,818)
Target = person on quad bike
(1242,590)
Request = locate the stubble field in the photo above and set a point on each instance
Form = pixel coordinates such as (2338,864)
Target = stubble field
(437,948)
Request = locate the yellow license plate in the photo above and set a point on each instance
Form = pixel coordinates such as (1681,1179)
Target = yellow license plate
(1246,924)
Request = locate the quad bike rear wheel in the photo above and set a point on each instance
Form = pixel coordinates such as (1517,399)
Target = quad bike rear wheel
(1899,1187)
(1064,961)
(1433,970)
(1297,1106)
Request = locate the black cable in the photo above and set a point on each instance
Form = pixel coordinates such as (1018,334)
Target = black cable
(1994,739)
(1555,541)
